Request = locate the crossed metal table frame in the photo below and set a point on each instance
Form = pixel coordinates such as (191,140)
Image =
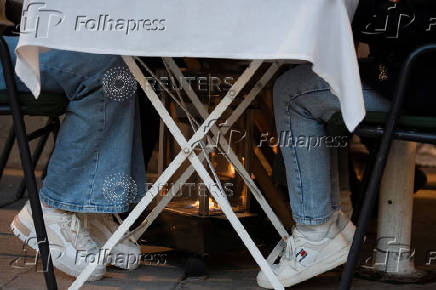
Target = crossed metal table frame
(187,152)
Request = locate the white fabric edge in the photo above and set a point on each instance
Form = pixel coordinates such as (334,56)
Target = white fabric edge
(28,70)
(25,54)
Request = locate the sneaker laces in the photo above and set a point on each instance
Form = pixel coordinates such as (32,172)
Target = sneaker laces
(81,237)
(289,253)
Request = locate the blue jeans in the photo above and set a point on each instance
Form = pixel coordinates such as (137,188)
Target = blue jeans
(303,104)
(97,164)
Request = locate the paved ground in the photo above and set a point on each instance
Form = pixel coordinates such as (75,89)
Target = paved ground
(232,271)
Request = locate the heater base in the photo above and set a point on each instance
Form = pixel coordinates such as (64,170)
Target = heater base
(206,234)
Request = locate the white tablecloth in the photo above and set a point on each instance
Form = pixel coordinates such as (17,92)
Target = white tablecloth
(318,31)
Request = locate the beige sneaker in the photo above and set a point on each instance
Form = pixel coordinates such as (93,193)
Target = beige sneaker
(126,254)
(71,246)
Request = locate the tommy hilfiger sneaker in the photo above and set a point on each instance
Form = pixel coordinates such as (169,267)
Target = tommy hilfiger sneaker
(303,259)
(71,247)
(345,226)
(126,254)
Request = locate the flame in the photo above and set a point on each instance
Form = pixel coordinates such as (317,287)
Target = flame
(275,149)
(212,205)
(231,170)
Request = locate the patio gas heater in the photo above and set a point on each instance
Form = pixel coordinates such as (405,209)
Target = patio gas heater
(193,221)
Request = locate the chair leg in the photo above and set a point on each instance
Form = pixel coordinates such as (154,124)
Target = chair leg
(35,158)
(7,151)
(26,161)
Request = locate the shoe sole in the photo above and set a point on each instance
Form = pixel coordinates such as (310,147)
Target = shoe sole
(20,230)
(312,271)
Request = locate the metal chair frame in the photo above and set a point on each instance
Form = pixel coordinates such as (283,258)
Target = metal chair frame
(27,164)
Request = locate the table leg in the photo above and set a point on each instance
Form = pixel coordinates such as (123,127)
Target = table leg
(393,256)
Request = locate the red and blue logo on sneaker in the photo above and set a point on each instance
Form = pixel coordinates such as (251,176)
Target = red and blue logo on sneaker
(302,253)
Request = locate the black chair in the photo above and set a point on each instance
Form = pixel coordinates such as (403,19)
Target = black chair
(387,127)
(50,105)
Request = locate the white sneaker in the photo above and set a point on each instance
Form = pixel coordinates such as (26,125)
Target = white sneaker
(345,226)
(126,254)
(304,259)
(71,247)
(348,232)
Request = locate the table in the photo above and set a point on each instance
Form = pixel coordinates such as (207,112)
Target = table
(315,31)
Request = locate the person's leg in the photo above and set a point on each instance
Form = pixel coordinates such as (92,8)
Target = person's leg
(307,168)
(97,164)
(303,103)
